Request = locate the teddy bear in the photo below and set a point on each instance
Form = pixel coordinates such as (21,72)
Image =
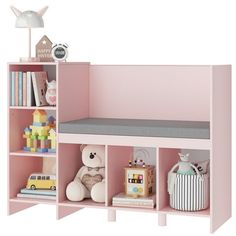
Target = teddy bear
(89,182)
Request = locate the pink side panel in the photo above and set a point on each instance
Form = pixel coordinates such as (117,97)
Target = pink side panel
(150,92)
(118,158)
(73,93)
(15,207)
(63,211)
(220,201)
(19,120)
(166,159)
(69,162)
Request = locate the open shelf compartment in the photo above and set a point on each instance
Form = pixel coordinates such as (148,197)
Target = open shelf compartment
(167,158)
(118,158)
(69,162)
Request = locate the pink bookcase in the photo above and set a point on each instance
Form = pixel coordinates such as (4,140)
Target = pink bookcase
(166,92)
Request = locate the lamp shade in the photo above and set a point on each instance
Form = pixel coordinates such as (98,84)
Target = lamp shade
(29,19)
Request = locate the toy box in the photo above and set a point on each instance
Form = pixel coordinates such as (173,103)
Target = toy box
(139,180)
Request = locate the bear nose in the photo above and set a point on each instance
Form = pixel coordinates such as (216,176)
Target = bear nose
(91,156)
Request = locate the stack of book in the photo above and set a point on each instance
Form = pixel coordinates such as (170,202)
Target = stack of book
(122,200)
(28,88)
(42,194)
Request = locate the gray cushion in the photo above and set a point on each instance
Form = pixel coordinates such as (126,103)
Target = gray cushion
(135,127)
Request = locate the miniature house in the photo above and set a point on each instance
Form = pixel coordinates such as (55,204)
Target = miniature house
(43,49)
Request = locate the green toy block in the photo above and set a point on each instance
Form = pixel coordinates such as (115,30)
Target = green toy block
(34,137)
(43,137)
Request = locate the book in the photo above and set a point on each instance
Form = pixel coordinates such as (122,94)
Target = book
(25,195)
(30,91)
(38,192)
(24,89)
(39,79)
(16,88)
(13,82)
(123,200)
(20,78)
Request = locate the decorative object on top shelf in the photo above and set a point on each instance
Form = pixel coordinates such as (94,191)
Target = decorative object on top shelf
(40,133)
(139,179)
(43,49)
(89,182)
(51,93)
(195,196)
(29,19)
(60,52)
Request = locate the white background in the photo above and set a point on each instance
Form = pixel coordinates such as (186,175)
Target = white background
(112,32)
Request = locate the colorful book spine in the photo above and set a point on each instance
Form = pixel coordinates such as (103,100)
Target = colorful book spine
(29,90)
(24,89)
(20,77)
(13,79)
(16,88)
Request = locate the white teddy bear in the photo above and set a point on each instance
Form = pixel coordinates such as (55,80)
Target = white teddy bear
(89,182)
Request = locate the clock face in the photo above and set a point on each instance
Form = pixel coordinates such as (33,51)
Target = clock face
(59,52)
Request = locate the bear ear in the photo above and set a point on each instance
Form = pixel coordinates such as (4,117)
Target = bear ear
(82,146)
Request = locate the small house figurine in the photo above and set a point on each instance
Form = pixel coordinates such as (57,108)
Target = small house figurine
(43,49)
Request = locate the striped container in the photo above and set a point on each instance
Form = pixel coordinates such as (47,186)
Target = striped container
(188,192)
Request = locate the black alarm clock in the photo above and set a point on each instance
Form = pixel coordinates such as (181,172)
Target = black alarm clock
(60,52)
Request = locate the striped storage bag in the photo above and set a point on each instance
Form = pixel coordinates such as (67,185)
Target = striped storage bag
(188,192)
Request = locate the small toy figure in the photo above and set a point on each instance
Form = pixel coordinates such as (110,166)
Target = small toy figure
(51,122)
(41,181)
(185,166)
(51,93)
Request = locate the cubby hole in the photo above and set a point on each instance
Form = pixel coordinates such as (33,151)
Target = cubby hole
(118,158)
(69,163)
(49,68)
(168,157)
(20,119)
(21,167)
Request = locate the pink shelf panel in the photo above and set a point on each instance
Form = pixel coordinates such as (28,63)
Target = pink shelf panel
(150,92)
(88,203)
(151,210)
(33,200)
(34,108)
(169,210)
(33,154)
(166,158)
(69,162)
(135,141)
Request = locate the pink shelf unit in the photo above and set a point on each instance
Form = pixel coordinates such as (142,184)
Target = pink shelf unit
(170,92)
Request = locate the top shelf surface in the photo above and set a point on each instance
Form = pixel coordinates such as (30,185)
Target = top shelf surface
(138,127)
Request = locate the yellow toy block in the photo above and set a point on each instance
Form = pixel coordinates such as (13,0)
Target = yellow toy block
(52,137)
(39,116)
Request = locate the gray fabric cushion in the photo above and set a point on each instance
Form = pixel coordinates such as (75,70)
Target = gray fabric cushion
(135,127)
